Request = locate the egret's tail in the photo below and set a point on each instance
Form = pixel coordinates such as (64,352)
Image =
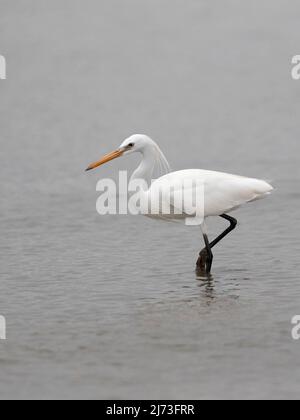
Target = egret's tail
(262,189)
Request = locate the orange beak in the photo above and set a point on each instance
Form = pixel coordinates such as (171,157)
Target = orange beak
(105,159)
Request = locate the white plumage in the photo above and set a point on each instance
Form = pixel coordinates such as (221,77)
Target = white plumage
(222,193)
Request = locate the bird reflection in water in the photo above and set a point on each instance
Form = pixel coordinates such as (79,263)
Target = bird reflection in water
(207,283)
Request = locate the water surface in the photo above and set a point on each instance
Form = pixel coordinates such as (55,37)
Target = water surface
(111,307)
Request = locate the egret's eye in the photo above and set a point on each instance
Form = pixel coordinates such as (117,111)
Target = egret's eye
(131,145)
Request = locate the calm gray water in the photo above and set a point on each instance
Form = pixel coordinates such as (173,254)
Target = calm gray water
(111,307)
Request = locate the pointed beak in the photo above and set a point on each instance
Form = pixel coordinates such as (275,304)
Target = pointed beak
(105,159)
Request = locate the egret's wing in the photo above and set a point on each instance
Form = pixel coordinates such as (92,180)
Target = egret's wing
(216,192)
(224,194)
(178,197)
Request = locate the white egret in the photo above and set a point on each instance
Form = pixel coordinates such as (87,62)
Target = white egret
(223,192)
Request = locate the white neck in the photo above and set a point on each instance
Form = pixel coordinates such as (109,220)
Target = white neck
(152,155)
(146,168)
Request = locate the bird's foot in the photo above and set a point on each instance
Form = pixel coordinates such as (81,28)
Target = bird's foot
(204,263)
(201,263)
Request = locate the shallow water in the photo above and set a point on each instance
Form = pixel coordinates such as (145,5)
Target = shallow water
(111,307)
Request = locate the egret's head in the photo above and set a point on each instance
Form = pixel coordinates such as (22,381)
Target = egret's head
(137,143)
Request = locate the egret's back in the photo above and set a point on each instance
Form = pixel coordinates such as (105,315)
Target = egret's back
(222,192)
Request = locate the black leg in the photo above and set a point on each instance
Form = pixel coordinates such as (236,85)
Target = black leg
(233,224)
(209,254)
(206,257)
